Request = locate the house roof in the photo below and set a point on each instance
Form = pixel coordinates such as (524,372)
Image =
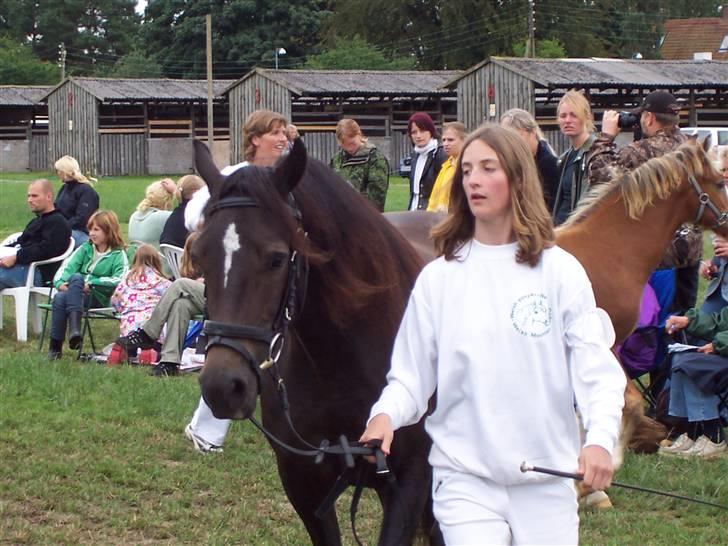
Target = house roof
(683,37)
(22,95)
(148,89)
(609,73)
(356,82)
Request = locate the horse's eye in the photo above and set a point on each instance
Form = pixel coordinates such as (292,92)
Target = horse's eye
(277,261)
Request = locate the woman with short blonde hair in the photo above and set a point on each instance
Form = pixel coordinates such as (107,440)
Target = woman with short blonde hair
(147,221)
(453,138)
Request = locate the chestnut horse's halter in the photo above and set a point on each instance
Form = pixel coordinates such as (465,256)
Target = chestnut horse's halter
(704,200)
(230,335)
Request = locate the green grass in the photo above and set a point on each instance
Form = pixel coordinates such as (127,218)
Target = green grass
(95,455)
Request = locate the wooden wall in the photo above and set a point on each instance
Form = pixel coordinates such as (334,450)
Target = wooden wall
(253,94)
(122,154)
(73,126)
(39,159)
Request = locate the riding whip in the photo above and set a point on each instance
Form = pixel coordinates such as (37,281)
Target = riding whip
(526,467)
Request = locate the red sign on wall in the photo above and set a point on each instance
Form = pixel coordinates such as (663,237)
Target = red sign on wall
(69,99)
(257,97)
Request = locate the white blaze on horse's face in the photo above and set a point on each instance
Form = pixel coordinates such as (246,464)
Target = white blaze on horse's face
(231,244)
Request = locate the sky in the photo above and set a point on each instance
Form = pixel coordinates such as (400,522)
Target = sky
(141,4)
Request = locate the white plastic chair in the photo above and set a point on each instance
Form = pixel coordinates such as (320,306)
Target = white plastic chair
(29,294)
(173,255)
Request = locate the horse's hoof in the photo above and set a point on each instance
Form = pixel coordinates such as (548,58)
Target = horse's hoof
(598,500)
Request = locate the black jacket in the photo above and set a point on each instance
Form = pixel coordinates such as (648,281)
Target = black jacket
(434,162)
(548,171)
(44,237)
(77,202)
(174,232)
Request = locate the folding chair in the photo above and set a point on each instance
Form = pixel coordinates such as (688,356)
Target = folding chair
(94,313)
(173,255)
(28,295)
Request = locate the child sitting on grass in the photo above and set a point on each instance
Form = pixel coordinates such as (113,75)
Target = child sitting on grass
(139,293)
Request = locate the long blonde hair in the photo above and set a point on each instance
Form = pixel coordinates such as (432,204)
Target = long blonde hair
(531,220)
(69,167)
(145,256)
(155,197)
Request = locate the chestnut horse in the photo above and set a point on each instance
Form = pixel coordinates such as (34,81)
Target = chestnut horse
(619,235)
(272,238)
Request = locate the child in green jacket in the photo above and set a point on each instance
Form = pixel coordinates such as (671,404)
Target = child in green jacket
(87,279)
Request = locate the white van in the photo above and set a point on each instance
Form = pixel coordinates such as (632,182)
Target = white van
(718,135)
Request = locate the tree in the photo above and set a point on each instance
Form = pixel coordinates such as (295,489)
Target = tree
(356,54)
(95,32)
(545,49)
(20,66)
(245,33)
(136,64)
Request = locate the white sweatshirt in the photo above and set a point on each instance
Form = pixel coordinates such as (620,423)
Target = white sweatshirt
(509,348)
(195,206)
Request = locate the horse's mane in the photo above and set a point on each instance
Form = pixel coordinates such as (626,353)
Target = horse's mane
(353,251)
(655,179)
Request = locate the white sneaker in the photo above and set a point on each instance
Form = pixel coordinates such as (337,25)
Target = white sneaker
(201,445)
(705,449)
(682,444)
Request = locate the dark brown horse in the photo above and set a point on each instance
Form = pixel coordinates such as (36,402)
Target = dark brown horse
(297,240)
(619,236)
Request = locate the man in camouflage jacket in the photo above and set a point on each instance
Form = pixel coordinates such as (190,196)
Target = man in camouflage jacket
(366,169)
(659,117)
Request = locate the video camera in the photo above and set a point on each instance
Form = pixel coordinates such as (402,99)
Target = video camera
(627,120)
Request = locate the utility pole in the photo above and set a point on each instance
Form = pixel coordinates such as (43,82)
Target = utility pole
(62,60)
(210,118)
(531,42)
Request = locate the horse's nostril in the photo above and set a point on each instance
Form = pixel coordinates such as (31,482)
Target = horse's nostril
(237,387)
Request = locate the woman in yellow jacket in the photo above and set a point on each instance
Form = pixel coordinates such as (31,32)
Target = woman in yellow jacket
(453,137)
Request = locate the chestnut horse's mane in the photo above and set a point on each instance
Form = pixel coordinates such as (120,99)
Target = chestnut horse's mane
(655,179)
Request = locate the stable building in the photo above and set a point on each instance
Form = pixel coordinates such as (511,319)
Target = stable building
(134,126)
(315,100)
(488,89)
(23,128)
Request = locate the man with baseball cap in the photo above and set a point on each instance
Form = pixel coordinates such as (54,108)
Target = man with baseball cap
(659,115)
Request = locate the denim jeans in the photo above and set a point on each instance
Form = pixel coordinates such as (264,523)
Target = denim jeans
(12,277)
(67,302)
(79,237)
(687,400)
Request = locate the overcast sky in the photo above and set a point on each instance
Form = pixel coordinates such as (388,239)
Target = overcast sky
(141,4)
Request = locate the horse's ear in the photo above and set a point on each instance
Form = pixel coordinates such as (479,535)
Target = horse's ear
(290,170)
(206,166)
(706,143)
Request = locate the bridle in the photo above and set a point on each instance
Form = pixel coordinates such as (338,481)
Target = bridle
(231,335)
(704,201)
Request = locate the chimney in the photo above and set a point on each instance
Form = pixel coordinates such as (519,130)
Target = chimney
(703,56)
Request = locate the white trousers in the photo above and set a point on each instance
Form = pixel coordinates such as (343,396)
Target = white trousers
(208,427)
(474,510)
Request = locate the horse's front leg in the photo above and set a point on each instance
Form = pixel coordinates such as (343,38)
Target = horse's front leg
(306,489)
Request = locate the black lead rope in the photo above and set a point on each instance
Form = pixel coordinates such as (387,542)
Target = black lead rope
(525,467)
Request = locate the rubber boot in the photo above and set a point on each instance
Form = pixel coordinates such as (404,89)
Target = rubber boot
(55,348)
(74,328)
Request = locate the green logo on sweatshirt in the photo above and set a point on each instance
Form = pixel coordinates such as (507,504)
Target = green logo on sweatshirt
(531,315)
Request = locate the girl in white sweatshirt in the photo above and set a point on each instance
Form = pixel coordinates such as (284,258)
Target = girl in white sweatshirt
(504,325)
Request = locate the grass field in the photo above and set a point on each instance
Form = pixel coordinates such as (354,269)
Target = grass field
(95,456)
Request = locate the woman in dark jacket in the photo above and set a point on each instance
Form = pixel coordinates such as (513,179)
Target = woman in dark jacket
(76,200)
(427,159)
(546,161)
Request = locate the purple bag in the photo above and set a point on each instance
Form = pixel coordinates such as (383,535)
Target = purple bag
(639,351)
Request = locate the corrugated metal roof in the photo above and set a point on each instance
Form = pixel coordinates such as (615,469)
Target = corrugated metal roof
(358,82)
(22,95)
(160,89)
(615,72)
(683,37)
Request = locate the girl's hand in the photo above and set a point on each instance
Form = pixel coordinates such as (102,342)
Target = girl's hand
(674,323)
(595,464)
(63,287)
(379,428)
(86,288)
(708,270)
(169,185)
(707,349)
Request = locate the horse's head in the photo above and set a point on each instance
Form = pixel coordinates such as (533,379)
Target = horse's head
(709,201)
(246,254)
